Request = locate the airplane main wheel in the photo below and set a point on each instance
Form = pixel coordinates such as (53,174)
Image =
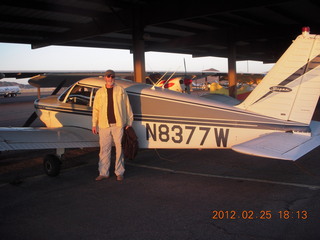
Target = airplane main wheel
(51,165)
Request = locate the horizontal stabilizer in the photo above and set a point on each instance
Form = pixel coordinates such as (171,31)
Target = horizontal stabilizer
(285,146)
(46,138)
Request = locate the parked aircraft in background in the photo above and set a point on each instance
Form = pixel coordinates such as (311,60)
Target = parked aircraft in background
(175,84)
(9,91)
(274,121)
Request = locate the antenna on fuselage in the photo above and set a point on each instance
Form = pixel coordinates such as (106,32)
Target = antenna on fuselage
(160,79)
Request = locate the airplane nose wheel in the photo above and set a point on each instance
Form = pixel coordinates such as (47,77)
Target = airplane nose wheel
(51,165)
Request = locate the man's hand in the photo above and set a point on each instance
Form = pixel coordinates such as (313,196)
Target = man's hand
(94,130)
(127,127)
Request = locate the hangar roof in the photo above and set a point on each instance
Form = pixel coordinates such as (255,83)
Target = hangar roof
(261,30)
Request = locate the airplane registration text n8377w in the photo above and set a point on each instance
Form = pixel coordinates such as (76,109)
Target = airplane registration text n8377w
(175,135)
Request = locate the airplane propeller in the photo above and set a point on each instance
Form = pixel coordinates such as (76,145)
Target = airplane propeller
(185,67)
(185,71)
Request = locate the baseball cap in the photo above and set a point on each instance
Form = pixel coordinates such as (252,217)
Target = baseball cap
(110,72)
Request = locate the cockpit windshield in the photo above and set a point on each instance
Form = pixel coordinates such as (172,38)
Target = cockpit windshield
(80,94)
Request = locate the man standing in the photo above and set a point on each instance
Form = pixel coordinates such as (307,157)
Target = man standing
(111,113)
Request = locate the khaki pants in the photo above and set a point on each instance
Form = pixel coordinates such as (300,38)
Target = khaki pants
(106,137)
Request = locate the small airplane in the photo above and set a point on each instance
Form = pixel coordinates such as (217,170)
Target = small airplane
(180,83)
(274,121)
(10,91)
(199,80)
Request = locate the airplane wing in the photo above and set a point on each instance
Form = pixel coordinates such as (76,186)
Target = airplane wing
(18,75)
(286,146)
(52,79)
(46,138)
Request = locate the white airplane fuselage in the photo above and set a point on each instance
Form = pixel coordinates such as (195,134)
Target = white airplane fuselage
(174,84)
(164,118)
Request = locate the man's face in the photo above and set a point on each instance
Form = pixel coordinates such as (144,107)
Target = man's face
(109,80)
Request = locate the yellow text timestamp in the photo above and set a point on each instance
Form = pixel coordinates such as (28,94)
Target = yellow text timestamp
(263,214)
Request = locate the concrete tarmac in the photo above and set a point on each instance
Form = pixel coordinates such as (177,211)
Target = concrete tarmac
(166,194)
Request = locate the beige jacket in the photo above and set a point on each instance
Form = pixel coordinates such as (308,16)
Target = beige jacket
(122,108)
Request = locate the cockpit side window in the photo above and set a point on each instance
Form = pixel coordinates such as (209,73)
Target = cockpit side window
(80,95)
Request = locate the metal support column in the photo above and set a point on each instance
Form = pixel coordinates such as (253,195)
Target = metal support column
(232,73)
(138,47)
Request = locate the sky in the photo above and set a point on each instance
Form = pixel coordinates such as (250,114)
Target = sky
(20,57)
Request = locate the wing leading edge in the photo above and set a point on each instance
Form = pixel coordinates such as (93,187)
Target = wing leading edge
(285,146)
(46,138)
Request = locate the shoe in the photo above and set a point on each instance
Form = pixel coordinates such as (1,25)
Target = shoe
(100,177)
(120,178)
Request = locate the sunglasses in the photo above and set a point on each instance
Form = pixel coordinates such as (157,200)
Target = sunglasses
(110,76)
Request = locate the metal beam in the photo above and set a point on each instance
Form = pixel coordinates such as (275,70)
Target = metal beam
(100,25)
(178,11)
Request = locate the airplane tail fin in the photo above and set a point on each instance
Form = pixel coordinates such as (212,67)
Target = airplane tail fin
(291,89)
